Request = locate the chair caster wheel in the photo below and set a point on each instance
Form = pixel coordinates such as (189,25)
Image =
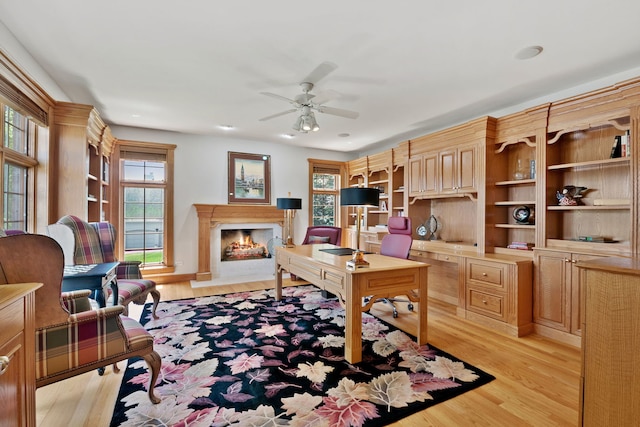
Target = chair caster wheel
(395,314)
(101,371)
(410,307)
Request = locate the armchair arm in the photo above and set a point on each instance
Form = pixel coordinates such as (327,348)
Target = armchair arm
(76,301)
(86,339)
(129,270)
(106,313)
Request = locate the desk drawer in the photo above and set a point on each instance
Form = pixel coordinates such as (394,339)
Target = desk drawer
(333,280)
(305,270)
(486,273)
(485,303)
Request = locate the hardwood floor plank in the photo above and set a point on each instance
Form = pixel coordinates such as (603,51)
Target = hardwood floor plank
(536,378)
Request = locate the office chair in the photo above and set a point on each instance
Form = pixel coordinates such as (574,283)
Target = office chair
(397,244)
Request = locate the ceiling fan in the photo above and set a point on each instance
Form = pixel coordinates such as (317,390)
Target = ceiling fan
(307,103)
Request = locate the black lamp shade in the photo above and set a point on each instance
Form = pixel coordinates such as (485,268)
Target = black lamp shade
(288,203)
(359,196)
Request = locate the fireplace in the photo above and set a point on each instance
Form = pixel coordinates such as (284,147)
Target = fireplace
(240,244)
(213,218)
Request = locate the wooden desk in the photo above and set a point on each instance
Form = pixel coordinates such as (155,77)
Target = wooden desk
(386,277)
(94,277)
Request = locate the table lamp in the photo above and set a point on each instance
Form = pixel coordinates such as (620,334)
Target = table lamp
(290,205)
(359,197)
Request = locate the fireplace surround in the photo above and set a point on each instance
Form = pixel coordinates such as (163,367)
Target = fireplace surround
(210,216)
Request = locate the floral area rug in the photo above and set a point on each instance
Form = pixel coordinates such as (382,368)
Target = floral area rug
(244,359)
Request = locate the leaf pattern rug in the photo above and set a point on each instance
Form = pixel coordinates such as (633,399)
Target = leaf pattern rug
(244,359)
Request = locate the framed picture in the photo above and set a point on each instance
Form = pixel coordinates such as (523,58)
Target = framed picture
(249,178)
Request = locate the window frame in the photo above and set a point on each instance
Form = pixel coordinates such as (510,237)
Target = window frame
(326,164)
(125,149)
(25,160)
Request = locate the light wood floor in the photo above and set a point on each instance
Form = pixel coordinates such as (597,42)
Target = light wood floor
(536,379)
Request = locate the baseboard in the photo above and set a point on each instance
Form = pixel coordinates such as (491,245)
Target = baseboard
(170,278)
(556,335)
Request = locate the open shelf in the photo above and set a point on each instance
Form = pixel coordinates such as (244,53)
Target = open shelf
(517,226)
(589,163)
(589,208)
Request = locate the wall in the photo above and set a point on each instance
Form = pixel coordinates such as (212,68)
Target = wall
(201,177)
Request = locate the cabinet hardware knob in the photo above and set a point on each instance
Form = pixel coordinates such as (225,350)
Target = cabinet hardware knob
(484,301)
(567,260)
(4,364)
(574,261)
(484,274)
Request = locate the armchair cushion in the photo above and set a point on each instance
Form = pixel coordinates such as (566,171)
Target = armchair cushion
(319,239)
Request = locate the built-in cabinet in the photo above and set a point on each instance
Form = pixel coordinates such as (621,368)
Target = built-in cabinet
(17,354)
(557,291)
(610,381)
(84,145)
(500,186)
(386,172)
(443,173)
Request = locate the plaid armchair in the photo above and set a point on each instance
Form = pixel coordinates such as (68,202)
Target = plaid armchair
(69,344)
(94,243)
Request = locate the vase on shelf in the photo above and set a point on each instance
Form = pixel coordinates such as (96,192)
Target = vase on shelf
(520,172)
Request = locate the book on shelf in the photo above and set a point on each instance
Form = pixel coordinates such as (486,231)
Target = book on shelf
(520,245)
(616,149)
(595,239)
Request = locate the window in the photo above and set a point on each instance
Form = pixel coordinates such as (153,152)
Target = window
(324,192)
(146,203)
(18,165)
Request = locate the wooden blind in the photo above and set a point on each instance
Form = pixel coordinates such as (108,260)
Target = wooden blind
(22,103)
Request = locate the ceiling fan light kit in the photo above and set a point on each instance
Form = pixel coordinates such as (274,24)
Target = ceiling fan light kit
(304,104)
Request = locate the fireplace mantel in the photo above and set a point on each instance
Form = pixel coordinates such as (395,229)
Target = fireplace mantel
(209,216)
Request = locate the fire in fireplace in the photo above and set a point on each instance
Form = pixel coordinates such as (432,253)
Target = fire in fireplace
(244,244)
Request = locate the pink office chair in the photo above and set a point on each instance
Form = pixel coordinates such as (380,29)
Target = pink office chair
(321,234)
(397,244)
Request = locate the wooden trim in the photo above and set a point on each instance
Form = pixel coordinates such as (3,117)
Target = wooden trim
(210,216)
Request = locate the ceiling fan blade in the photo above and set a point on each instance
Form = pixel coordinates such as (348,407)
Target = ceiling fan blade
(320,72)
(325,96)
(280,97)
(338,112)
(273,116)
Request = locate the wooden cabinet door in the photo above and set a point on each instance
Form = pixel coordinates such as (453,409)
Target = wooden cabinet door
(430,171)
(552,290)
(448,171)
(467,169)
(416,176)
(577,314)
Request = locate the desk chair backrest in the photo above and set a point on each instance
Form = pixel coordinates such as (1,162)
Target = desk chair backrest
(323,234)
(398,242)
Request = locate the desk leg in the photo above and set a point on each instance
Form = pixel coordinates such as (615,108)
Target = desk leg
(278,281)
(114,291)
(98,295)
(422,306)
(353,321)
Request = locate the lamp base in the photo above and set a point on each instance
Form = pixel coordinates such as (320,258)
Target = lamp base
(357,261)
(289,243)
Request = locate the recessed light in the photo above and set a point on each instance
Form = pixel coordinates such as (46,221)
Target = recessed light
(136,116)
(226,127)
(288,135)
(528,52)
(344,135)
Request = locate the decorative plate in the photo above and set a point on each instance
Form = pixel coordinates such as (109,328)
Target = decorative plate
(522,214)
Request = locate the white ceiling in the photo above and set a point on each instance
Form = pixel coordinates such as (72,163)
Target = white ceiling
(408,67)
